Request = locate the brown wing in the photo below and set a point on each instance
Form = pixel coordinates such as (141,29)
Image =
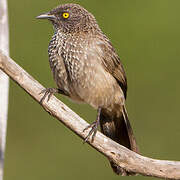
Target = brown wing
(112,63)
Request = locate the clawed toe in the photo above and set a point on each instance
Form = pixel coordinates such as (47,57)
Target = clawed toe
(47,92)
(94,127)
(92,132)
(43,91)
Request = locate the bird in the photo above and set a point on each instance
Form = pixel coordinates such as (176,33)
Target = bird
(87,69)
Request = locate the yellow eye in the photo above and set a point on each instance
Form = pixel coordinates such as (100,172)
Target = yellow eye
(65,15)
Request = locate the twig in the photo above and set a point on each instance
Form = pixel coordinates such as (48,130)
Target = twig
(4,82)
(125,158)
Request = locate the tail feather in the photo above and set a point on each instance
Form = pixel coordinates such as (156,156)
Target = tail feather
(119,130)
(133,144)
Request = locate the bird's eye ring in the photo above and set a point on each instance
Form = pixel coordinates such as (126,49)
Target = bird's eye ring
(65,15)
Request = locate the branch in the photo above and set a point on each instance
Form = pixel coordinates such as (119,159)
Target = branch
(4,82)
(122,156)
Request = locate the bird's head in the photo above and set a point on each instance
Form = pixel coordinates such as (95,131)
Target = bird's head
(70,18)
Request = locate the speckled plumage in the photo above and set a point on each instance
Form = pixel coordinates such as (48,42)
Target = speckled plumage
(86,68)
(74,63)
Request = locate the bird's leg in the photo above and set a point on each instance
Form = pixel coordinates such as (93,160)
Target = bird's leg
(49,92)
(93,127)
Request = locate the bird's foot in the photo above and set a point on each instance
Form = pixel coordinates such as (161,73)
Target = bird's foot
(92,132)
(48,92)
(94,127)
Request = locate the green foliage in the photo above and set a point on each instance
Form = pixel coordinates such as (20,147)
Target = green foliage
(146,35)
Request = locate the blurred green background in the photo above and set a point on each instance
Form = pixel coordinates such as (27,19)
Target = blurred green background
(146,35)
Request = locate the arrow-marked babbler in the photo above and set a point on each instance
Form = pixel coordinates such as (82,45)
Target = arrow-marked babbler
(87,69)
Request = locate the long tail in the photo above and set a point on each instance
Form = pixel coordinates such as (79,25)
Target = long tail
(118,129)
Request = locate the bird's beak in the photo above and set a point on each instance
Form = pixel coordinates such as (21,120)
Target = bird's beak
(46,16)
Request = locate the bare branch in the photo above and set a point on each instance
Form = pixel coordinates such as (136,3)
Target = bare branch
(4,82)
(125,158)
